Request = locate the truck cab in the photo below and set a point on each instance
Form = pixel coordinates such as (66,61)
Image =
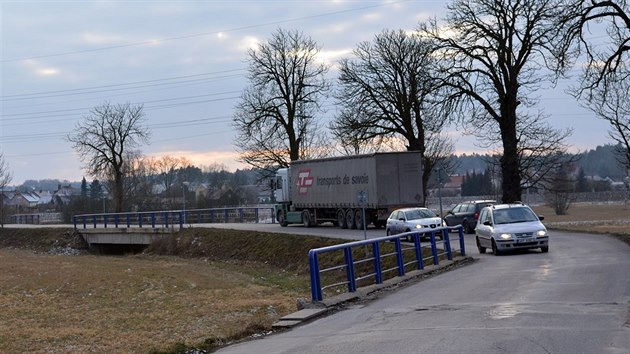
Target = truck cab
(281,186)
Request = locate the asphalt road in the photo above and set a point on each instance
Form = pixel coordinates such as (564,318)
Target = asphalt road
(574,299)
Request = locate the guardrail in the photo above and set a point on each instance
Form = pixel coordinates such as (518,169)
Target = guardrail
(405,256)
(171,218)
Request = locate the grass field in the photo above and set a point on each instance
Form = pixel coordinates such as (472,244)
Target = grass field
(200,289)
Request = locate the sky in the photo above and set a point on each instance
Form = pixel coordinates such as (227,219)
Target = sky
(185,62)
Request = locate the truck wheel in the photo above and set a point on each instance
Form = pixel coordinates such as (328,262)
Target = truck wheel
(358,219)
(306,218)
(282,219)
(350,219)
(341,219)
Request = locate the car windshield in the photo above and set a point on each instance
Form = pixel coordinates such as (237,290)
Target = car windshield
(513,215)
(419,214)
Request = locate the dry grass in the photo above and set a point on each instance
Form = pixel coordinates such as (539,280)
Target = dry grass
(206,293)
(131,304)
(594,218)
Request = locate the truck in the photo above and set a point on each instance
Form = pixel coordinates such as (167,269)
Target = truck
(348,191)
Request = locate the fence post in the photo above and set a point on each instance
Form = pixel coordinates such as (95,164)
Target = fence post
(436,259)
(447,244)
(94,220)
(105,219)
(140,220)
(153,220)
(376,253)
(418,249)
(347,255)
(74,221)
(84,222)
(128,217)
(316,288)
(399,257)
(273,215)
(462,248)
(240,214)
(116,220)
(181,219)
(165,219)
(256,215)
(227,215)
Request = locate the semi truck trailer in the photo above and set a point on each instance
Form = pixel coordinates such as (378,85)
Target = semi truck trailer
(348,191)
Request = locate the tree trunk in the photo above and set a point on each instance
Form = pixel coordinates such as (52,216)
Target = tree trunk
(510,169)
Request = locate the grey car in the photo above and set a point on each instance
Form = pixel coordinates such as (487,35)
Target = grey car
(412,219)
(505,227)
(466,214)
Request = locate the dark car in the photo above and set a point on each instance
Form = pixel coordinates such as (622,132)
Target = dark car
(466,214)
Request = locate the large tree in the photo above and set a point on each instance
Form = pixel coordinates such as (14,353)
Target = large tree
(105,139)
(276,116)
(496,52)
(388,90)
(600,30)
(606,73)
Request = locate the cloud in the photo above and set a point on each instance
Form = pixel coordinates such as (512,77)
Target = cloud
(248,42)
(40,69)
(100,39)
(206,158)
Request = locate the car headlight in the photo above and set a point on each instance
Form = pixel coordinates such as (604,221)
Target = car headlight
(541,233)
(418,226)
(505,236)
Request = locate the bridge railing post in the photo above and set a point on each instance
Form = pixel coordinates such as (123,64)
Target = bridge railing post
(418,250)
(316,286)
(434,252)
(447,244)
(462,247)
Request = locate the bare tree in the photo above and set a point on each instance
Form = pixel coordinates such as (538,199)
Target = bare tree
(388,91)
(611,104)
(6,176)
(606,72)
(103,140)
(275,118)
(581,23)
(166,168)
(494,52)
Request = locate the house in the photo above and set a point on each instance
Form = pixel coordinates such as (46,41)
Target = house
(25,199)
(453,186)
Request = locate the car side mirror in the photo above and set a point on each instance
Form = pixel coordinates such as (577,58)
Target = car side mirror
(487,223)
(451,212)
(402,219)
(541,218)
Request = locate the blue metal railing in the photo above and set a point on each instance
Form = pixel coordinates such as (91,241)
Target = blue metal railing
(171,218)
(402,258)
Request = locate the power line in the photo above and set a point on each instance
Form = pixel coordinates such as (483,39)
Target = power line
(203,34)
(117,87)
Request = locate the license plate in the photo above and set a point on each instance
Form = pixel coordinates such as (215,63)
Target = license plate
(524,240)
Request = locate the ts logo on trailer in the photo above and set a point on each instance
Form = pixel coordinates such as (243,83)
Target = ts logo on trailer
(304,181)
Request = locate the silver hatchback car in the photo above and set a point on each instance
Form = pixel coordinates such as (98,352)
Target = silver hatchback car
(505,227)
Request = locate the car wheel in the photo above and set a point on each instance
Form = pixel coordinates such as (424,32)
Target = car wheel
(495,250)
(544,249)
(481,249)
(341,219)
(467,228)
(389,233)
